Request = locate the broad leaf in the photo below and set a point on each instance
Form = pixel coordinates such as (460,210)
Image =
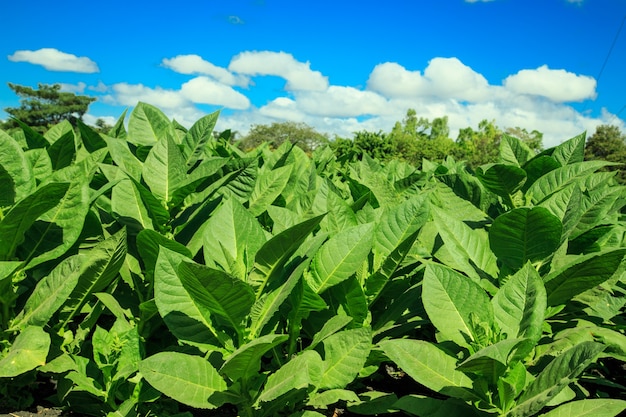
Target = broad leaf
(147,125)
(571,151)
(164,169)
(513,151)
(300,372)
(28,351)
(62,152)
(123,157)
(340,257)
(428,365)
(267,188)
(345,354)
(450,299)
(502,180)
(246,361)
(186,378)
(592,407)
(197,138)
(563,370)
(14,162)
(525,234)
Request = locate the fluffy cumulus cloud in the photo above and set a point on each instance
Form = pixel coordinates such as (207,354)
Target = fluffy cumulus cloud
(55,60)
(204,90)
(445,78)
(195,64)
(556,85)
(339,101)
(299,75)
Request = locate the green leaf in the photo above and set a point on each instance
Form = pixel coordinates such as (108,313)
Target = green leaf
(28,351)
(232,233)
(332,326)
(513,151)
(558,178)
(431,407)
(50,294)
(224,296)
(468,247)
(99,268)
(571,151)
(398,223)
(148,244)
(427,364)
(491,361)
(128,207)
(188,379)
(179,311)
(118,130)
(197,138)
(40,162)
(246,361)
(519,305)
(449,299)
(300,372)
(559,373)
(23,215)
(7,188)
(345,354)
(62,152)
(274,254)
(332,396)
(537,168)
(164,170)
(267,188)
(147,125)
(34,139)
(58,229)
(593,407)
(123,157)
(15,163)
(90,138)
(581,275)
(340,257)
(502,180)
(525,234)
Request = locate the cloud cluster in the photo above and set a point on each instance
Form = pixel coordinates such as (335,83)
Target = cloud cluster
(55,60)
(537,98)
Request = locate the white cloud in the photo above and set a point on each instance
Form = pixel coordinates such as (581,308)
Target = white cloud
(100,88)
(207,91)
(129,94)
(298,75)
(338,101)
(556,85)
(194,64)
(74,88)
(443,78)
(55,60)
(283,108)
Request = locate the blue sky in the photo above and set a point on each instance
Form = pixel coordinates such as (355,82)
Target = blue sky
(339,66)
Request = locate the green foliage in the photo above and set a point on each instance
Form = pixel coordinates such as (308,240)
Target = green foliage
(161,269)
(46,106)
(608,143)
(299,134)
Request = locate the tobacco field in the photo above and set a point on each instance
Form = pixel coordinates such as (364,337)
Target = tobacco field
(160,271)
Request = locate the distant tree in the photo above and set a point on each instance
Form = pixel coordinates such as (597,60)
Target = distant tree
(481,146)
(276,134)
(608,143)
(46,106)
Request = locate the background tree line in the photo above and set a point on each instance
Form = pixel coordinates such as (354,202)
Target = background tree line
(412,139)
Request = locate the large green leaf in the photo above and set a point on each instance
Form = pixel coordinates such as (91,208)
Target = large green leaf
(571,151)
(179,311)
(592,407)
(62,152)
(147,125)
(468,248)
(15,163)
(340,257)
(423,406)
(525,234)
(501,179)
(41,164)
(92,141)
(197,138)
(345,354)
(428,365)
(99,269)
(232,238)
(398,223)
(50,293)
(164,169)
(272,256)
(23,215)
(223,296)
(58,229)
(519,305)
(583,274)
(513,151)
(28,351)
(246,361)
(596,207)
(267,188)
(128,207)
(558,178)
(186,378)
(559,373)
(491,361)
(450,299)
(123,157)
(34,139)
(300,372)
(148,244)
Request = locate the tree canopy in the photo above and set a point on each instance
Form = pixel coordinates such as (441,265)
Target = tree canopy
(300,134)
(46,106)
(608,143)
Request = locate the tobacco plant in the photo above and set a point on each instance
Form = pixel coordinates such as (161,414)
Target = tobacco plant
(158,269)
